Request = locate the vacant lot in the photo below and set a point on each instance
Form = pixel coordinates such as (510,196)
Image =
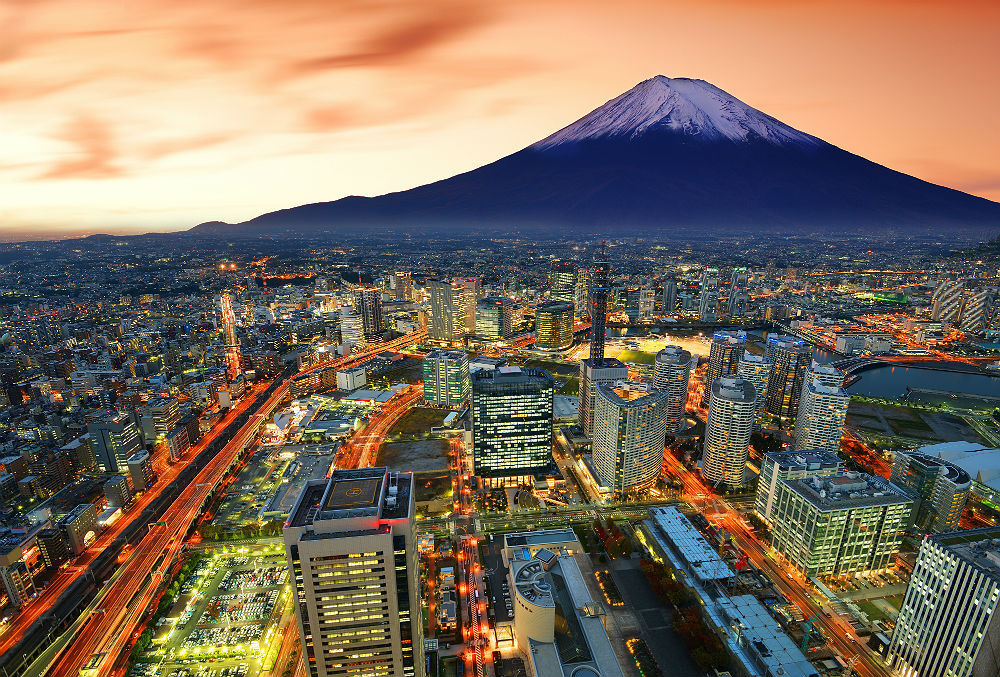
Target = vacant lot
(419,455)
(418,420)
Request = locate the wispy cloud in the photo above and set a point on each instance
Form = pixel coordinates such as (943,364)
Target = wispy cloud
(95,156)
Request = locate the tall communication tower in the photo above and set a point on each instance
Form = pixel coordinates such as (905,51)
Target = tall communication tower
(229,329)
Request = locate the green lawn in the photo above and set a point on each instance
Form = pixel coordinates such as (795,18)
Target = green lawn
(637,357)
(571,387)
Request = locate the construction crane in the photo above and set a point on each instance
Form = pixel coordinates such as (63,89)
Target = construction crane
(807,629)
(233,358)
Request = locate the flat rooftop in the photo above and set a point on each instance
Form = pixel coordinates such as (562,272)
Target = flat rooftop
(850,490)
(804,460)
(978,547)
(765,641)
(347,494)
(702,559)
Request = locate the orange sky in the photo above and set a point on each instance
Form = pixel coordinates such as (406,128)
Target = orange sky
(160,114)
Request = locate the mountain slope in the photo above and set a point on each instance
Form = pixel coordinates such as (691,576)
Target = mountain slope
(669,153)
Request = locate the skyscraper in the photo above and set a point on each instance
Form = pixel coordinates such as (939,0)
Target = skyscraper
(554,322)
(708,301)
(948,625)
(940,488)
(511,424)
(739,295)
(470,291)
(827,374)
(723,359)
(669,295)
(629,431)
(977,308)
(494,317)
(647,302)
(581,293)
(946,301)
(593,374)
(446,377)
(562,281)
(445,319)
(115,439)
(790,358)
(352,550)
(731,414)
(599,290)
(820,421)
(756,369)
(671,374)
(368,305)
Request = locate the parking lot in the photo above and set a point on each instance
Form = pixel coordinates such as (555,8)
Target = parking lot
(224,621)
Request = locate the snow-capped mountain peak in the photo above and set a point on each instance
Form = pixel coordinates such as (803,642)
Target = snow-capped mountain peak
(685,106)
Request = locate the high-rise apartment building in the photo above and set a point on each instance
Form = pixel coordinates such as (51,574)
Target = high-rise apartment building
(731,413)
(554,321)
(115,439)
(446,377)
(671,374)
(494,317)
(820,421)
(446,317)
(779,466)
(827,374)
(756,369)
(511,424)
(594,373)
(843,524)
(723,359)
(629,431)
(368,305)
(940,488)
(647,303)
(946,301)
(738,304)
(977,309)
(708,300)
(790,358)
(470,290)
(948,625)
(562,281)
(352,551)
(669,295)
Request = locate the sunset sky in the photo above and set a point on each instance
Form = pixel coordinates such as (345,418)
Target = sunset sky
(160,114)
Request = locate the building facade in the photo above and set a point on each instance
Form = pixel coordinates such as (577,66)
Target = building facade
(629,431)
(723,359)
(727,431)
(842,524)
(672,373)
(368,305)
(940,488)
(446,377)
(562,281)
(820,421)
(594,373)
(511,424)
(779,466)
(790,358)
(352,551)
(948,625)
(756,369)
(494,317)
(554,321)
(115,439)
(445,316)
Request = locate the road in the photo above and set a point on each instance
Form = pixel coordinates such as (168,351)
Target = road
(40,605)
(124,601)
(363,448)
(838,632)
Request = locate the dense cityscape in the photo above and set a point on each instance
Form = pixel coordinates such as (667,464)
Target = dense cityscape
(500,456)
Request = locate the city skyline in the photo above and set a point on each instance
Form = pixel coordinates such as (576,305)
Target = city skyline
(315,105)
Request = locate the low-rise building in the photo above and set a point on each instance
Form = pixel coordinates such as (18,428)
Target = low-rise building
(785,465)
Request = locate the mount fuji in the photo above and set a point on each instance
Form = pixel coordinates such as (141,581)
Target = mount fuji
(669,154)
